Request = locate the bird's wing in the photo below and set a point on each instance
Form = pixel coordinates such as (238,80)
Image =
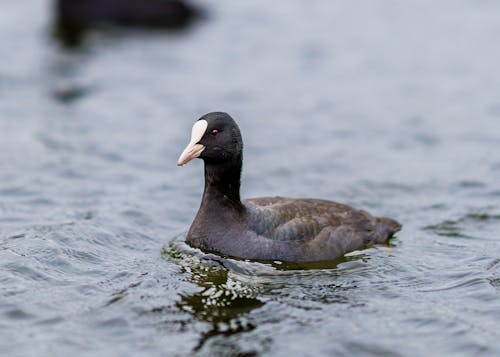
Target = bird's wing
(289,219)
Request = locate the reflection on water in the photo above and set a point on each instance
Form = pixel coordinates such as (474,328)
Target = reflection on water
(223,300)
(70,93)
(231,289)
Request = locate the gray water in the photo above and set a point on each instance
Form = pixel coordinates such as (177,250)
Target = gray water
(390,107)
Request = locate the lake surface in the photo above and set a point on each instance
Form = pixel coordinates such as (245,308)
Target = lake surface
(390,107)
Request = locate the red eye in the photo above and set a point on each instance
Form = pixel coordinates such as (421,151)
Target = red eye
(214,132)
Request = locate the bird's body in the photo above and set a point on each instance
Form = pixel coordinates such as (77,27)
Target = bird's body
(268,228)
(277,228)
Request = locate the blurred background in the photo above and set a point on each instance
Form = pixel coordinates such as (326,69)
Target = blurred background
(387,106)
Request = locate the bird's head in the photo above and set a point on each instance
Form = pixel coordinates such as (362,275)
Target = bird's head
(215,138)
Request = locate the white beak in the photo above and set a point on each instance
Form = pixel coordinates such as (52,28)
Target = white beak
(194,150)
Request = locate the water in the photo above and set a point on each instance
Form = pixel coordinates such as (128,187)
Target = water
(393,108)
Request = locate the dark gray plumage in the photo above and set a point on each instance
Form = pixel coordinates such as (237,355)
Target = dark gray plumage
(268,228)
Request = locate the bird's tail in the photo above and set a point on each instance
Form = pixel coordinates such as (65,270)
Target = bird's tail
(386,228)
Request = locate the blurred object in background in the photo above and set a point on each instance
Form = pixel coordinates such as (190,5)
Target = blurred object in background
(74,17)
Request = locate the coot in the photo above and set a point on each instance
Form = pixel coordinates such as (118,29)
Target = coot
(268,228)
(74,17)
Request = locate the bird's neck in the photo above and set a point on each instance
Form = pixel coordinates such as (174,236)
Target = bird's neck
(222,184)
(221,209)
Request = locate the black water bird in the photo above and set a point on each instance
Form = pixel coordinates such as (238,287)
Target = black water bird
(267,228)
(74,17)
